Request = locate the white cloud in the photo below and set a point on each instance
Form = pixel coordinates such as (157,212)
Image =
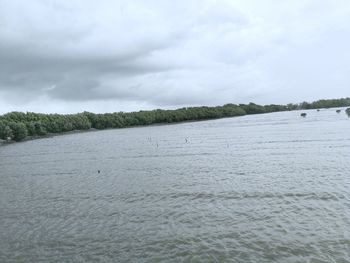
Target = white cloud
(125,55)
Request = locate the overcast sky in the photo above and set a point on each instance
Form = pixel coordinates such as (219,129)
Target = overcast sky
(69,56)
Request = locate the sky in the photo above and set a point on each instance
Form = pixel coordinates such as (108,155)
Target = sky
(70,56)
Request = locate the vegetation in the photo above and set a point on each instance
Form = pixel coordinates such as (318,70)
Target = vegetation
(348,111)
(345,102)
(18,126)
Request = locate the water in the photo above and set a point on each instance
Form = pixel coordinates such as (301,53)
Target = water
(260,188)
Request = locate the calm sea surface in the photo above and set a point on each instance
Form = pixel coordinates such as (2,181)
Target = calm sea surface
(260,188)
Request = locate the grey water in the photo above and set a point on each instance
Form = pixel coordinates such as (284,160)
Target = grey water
(259,188)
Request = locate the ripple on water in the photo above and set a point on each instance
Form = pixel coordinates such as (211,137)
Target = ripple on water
(264,188)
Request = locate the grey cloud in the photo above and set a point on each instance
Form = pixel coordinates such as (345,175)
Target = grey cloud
(33,67)
(166,53)
(74,78)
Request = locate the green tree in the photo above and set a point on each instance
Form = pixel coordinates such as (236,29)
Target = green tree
(19,130)
(5,131)
(18,125)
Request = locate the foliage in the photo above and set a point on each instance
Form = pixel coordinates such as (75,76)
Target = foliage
(5,131)
(18,125)
(345,102)
(19,130)
(348,111)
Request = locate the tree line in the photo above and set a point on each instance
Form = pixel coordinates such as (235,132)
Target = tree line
(18,126)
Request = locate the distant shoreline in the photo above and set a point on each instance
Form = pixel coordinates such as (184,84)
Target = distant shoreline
(19,126)
(51,135)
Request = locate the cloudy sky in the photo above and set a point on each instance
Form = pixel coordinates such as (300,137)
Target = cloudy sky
(120,55)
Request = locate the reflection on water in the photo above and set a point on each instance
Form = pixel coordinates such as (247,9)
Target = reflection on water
(262,188)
